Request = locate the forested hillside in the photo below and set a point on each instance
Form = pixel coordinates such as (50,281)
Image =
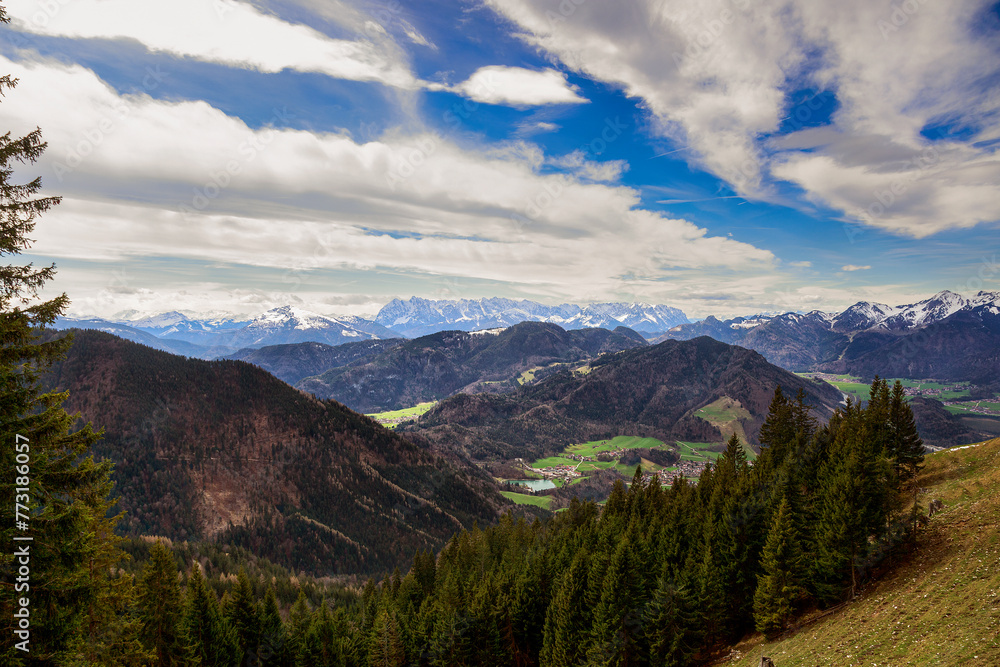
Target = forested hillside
(656,577)
(438,365)
(651,391)
(296,361)
(224,450)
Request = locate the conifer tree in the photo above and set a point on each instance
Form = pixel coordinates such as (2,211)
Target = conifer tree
(160,607)
(617,634)
(210,640)
(65,506)
(906,447)
(273,643)
(324,646)
(298,627)
(242,616)
(386,644)
(672,624)
(567,621)
(779,587)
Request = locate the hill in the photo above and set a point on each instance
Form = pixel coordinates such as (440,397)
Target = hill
(651,392)
(436,366)
(223,450)
(939,605)
(296,361)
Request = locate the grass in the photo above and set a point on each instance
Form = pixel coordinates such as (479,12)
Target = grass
(857,390)
(939,606)
(393,417)
(595,465)
(553,461)
(593,447)
(727,415)
(697,451)
(527,499)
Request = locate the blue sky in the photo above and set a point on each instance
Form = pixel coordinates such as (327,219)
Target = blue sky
(723,157)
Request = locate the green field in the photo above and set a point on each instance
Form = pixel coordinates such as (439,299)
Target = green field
(857,390)
(594,447)
(527,499)
(553,461)
(727,415)
(697,451)
(393,417)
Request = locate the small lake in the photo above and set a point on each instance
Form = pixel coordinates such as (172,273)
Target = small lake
(533,484)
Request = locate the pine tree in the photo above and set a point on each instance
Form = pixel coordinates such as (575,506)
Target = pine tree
(273,641)
(617,633)
(241,613)
(298,626)
(779,587)
(66,497)
(160,607)
(567,621)
(672,624)
(906,447)
(211,642)
(386,642)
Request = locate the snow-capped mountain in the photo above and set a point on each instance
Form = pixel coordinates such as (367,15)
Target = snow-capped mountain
(865,315)
(177,332)
(418,317)
(289,324)
(925,312)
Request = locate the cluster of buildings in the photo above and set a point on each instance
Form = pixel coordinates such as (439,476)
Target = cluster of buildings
(976,407)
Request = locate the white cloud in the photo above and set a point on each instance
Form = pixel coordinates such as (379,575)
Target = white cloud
(715,74)
(517,86)
(148,178)
(578,164)
(219,31)
(855,267)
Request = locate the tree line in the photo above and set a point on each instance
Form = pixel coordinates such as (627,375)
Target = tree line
(657,576)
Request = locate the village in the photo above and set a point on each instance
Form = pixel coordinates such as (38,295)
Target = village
(567,473)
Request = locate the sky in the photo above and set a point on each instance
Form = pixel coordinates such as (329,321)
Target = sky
(725,157)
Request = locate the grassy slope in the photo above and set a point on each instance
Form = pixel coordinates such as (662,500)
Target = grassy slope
(527,499)
(940,606)
(393,417)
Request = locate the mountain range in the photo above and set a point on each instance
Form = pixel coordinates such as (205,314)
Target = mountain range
(418,317)
(946,336)
(208,339)
(438,365)
(868,338)
(651,391)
